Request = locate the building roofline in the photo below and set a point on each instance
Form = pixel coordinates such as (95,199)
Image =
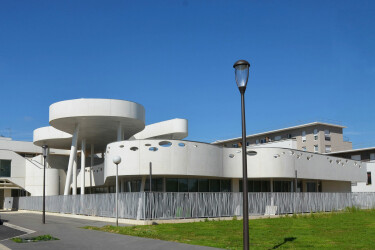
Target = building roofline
(351,150)
(280,130)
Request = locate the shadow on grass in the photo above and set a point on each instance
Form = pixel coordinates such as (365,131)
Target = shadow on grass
(285,241)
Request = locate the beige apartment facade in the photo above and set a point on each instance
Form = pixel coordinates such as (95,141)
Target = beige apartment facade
(314,137)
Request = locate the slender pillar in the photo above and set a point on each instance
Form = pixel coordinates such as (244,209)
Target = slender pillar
(75,175)
(73,153)
(83,164)
(119,132)
(91,164)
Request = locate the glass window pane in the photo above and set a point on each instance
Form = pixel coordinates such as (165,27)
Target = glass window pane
(226,185)
(257,186)
(214,185)
(250,186)
(172,185)
(203,185)
(193,185)
(182,185)
(5,168)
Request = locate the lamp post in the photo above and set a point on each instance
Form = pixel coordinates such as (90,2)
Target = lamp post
(116,160)
(242,74)
(45,153)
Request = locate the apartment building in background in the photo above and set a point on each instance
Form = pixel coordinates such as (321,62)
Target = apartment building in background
(317,137)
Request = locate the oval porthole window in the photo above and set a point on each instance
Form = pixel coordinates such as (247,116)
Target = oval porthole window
(121,146)
(153,149)
(165,143)
(231,155)
(181,144)
(147,144)
(133,148)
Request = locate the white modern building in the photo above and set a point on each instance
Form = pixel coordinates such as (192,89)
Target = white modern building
(85,134)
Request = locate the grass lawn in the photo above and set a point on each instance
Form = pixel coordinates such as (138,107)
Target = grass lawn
(353,229)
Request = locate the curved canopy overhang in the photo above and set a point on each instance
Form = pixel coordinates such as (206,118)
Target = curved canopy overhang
(175,129)
(52,137)
(98,119)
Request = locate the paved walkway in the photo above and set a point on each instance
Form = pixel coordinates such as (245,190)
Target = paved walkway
(72,236)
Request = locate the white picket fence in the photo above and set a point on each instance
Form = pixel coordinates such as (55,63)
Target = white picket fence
(153,205)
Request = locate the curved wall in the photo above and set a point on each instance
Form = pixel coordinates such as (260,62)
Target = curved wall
(200,159)
(194,158)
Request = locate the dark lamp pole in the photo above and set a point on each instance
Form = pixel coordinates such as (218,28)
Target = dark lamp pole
(45,153)
(242,74)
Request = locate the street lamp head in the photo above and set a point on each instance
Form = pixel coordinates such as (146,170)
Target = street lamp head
(45,150)
(116,159)
(242,73)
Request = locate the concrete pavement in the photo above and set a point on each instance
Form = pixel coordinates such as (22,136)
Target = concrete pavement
(72,236)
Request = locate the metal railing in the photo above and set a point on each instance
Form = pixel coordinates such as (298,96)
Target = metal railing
(154,205)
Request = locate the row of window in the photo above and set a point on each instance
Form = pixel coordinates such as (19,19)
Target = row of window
(281,186)
(179,185)
(327,135)
(316,148)
(212,185)
(359,158)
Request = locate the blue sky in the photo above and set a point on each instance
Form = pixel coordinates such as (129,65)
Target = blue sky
(310,60)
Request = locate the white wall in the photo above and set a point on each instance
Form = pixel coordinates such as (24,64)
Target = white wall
(362,186)
(34,178)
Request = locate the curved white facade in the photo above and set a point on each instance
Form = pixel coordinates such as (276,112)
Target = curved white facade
(193,159)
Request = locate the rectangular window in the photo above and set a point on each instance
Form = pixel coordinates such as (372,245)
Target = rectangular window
(5,168)
(157,185)
(315,134)
(277,138)
(172,185)
(328,148)
(311,186)
(214,185)
(303,136)
(372,157)
(225,185)
(193,185)
(356,157)
(203,185)
(327,135)
(257,141)
(316,148)
(289,136)
(235,145)
(369,182)
(182,185)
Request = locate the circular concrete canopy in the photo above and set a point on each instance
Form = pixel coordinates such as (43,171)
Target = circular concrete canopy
(52,137)
(98,119)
